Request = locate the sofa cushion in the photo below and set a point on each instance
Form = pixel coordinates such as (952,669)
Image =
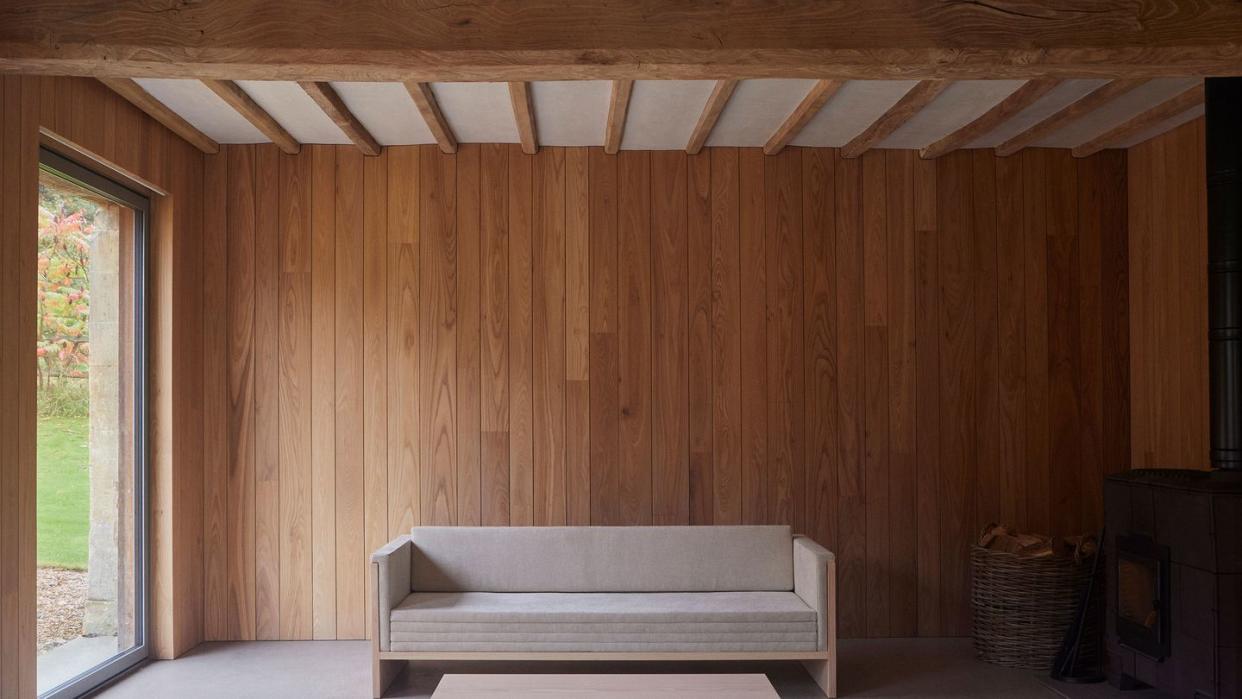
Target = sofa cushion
(598,622)
(602,559)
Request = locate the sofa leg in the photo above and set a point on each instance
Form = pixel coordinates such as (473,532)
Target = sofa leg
(383,672)
(824,672)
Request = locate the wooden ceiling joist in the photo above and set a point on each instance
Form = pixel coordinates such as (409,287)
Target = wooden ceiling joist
(243,104)
(711,113)
(910,104)
(140,98)
(1004,110)
(1118,135)
(618,107)
(586,39)
(815,99)
(425,100)
(524,115)
(332,105)
(1084,105)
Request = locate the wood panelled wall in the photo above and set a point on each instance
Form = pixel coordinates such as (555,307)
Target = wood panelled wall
(1168,306)
(885,353)
(100,130)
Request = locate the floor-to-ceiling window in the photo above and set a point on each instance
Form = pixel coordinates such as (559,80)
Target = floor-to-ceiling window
(91,504)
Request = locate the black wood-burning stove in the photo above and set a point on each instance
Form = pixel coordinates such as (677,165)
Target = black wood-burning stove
(1174,537)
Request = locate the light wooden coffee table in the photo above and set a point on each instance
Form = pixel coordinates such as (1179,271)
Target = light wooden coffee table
(748,686)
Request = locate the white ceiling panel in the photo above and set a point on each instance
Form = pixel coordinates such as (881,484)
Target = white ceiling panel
(197,104)
(756,109)
(1056,99)
(387,110)
(1134,102)
(570,112)
(289,104)
(663,113)
(478,112)
(959,104)
(1167,125)
(851,110)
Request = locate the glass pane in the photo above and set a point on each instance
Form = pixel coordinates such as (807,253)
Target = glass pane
(85,487)
(1136,591)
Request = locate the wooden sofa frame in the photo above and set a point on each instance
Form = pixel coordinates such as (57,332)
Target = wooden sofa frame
(820,664)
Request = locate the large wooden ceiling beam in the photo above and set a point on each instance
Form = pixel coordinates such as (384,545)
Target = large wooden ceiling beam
(910,104)
(618,108)
(332,105)
(586,39)
(711,113)
(1077,109)
(1004,110)
(425,100)
(155,109)
(815,99)
(1139,123)
(524,114)
(243,104)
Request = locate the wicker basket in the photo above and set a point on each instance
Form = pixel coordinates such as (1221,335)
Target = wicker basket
(1022,606)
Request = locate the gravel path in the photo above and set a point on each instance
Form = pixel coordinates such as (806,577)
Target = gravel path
(62,599)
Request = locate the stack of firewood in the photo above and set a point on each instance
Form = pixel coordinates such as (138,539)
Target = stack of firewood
(996,537)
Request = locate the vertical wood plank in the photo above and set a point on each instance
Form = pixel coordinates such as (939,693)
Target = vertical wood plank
(876,392)
(699,342)
(1034,222)
(670,420)
(296,536)
(467,366)
(353,592)
(323,389)
(605,399)
(1064,404)
(902,339)
(241,501)
(215,398)
(752,218)
(437,385)
(1090,351)
(267,393)
(1115,313)
(350,415)
(548,345)
(634,334)
(1011,339)
(820,314)
(726,339)
(851,505)
(577,337)
(784,335)
(404,501)
(958,381)
(494,349)
(986,479)
(521,419)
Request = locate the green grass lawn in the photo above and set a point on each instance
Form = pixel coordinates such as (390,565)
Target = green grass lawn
(63,499)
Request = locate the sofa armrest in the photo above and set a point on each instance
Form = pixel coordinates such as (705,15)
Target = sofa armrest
(814,582)
(391,570)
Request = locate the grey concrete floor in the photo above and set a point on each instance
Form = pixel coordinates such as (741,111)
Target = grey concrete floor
(893,668)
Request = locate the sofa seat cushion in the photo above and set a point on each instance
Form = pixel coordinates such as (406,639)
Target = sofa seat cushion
(603,621)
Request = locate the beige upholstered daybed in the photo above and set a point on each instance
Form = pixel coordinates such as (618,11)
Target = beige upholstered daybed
(604,593)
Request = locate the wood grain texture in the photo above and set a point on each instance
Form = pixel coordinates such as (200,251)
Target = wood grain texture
(1001,112)
(332,105)
(865,349)
(711,113)
(618,109)
(425,99)
(910,104)
(1139,123)
(267,384)
(243,104)
(811,103)
(140,98)
(1084,105)
(471,41)
(524,116)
